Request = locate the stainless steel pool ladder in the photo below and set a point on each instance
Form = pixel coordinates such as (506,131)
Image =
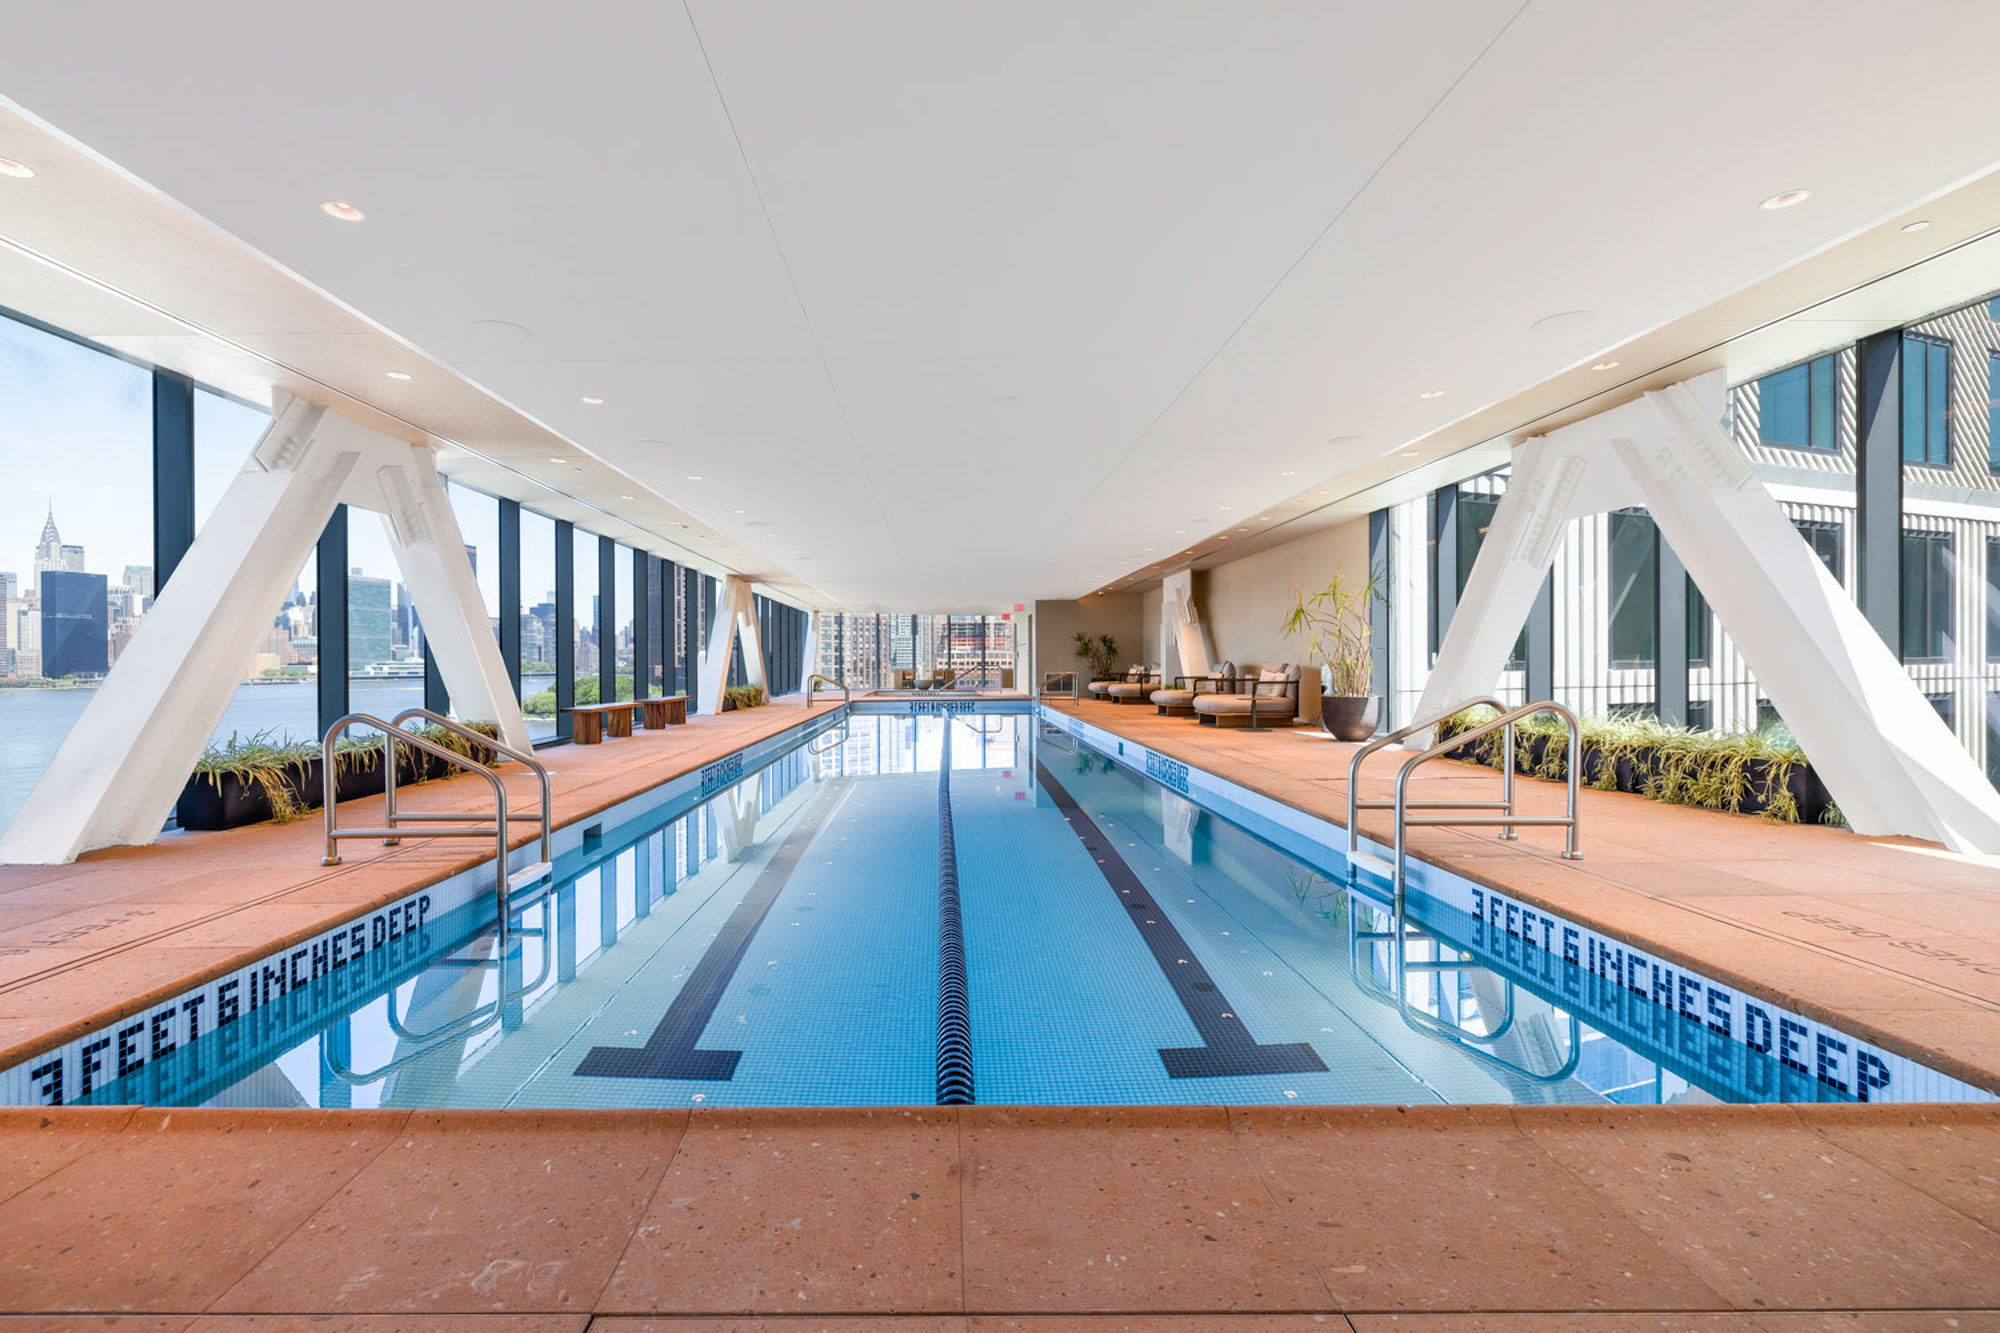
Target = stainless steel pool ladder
(460,825)
(845,695)
(1502,815)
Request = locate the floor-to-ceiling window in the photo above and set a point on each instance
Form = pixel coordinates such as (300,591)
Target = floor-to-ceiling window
(584,601)
(478,518)
(385,661)
(538,623)
(76,537)
(618,628)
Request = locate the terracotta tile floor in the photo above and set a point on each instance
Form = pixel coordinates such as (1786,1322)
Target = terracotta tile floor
(1005,1218)
(1781,1219)
(1892,939)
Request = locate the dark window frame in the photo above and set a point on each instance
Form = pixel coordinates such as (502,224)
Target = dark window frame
(1935,638)
(1924,457)
(1820,371)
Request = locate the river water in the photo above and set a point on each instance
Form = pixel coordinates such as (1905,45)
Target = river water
(33,723)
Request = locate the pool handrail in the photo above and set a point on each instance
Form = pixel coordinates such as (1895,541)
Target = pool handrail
(467,825)
(846,696)
(1354,802)
(536,766)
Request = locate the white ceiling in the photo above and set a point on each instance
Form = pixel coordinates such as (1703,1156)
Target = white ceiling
(964,305)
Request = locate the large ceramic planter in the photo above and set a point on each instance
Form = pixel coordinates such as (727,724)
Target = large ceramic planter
(1350,717)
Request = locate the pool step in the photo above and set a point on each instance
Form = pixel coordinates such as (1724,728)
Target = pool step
(528,877)
(1377,865)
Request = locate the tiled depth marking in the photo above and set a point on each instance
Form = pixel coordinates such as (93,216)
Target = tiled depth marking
(1227,1049)
(671,1051)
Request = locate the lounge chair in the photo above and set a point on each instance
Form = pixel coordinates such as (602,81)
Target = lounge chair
(1272,698)
(1135,688)
(1179,701)
(1102,688)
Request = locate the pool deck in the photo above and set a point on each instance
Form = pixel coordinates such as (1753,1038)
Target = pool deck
(1441,1218)
(87,943)
(1892,939)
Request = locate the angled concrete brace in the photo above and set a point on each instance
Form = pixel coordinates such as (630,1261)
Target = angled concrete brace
(1184,648)
(123,765)
(735,618)
(1885,755)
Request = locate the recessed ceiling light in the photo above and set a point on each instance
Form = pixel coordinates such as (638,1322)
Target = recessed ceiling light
(1407,453)
(1243,529)
(591,400)
(1431,393)
(340,208)
(1565,319)
(738,511)
(397,374)
(559,460)
(628,497)
(694,476)
(1265,519)
(1785,199)
(1604,365)
(1918,225)
(1180,532)
(1288,474)
(1223,508)
(18,170)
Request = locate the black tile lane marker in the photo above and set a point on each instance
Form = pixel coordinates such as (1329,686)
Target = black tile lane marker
(671,1051)
(1227,1050)
(954,1019)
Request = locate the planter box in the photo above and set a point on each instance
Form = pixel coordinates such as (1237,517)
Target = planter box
(203,807)
(1635,772)
(207,805)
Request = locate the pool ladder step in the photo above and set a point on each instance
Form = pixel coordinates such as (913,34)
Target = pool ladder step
(1380,865)
(527,875)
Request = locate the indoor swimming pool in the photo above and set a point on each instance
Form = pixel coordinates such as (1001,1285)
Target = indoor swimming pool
(774,936)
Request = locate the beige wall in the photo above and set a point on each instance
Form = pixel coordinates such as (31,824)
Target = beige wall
(1057,623)
(1244,602)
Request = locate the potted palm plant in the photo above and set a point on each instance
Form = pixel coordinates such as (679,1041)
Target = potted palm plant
(1335,626)
(1101,651)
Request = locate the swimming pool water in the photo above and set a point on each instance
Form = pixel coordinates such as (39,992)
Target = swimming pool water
(777,944)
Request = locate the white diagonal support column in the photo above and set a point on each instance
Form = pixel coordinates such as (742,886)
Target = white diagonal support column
(430,552)
(124,763)
(1887,758)
(735,620)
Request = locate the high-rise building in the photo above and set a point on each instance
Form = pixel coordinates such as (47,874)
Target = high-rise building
(28,639)
(139,578)
(75,629)
(48,549)
(370,627)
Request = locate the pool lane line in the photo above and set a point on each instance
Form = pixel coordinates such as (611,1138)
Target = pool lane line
(671,1051)
(1227,1050)
(954,1018)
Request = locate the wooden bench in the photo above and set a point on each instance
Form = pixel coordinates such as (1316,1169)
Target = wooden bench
(665,712)
(591,723)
